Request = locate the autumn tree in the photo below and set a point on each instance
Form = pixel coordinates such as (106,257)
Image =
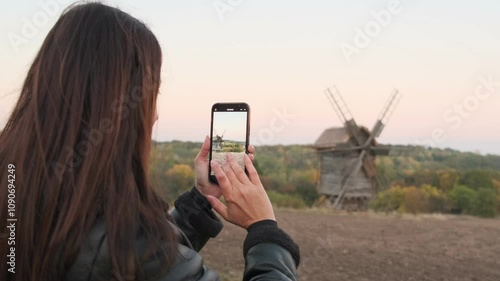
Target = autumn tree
(179,179)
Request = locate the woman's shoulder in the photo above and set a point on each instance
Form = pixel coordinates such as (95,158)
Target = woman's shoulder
(93,261)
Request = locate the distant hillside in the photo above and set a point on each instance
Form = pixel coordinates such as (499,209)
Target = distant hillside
(435,158)
(293,169)
(280,160)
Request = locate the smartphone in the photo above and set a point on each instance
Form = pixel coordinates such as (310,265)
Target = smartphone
(229,133)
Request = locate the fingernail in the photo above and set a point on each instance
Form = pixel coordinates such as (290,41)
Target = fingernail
(213,162)
(229,156)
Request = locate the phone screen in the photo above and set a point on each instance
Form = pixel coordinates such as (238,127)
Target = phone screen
(229,132)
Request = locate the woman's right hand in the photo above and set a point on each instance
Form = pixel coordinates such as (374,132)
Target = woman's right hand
(246,199)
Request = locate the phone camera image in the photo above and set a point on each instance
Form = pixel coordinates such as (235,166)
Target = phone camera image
(229,135)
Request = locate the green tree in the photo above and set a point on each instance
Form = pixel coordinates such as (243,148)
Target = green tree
(305,185)
(496,183)
(462,197)
(477,179)
(422,177)
(286,200)
(485,203)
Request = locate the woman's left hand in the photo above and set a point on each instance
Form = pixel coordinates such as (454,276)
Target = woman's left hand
(201,170)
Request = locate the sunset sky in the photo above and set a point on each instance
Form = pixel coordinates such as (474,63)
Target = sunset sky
(280,56)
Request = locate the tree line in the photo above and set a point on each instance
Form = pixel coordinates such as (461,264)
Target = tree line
(432,180)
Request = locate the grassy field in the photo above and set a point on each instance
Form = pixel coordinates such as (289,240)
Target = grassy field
(221,156)
(375,247)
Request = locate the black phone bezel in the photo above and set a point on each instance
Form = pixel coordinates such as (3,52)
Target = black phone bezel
(223,107)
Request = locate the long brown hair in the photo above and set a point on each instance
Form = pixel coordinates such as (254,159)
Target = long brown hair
(79,139)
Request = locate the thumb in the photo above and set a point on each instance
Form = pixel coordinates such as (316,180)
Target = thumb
(205,149)
(218,206)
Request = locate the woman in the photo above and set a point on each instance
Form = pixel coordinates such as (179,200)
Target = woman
(77,146)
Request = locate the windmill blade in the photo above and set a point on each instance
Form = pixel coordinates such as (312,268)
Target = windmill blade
(345,185)
(338,104)
(362,144)
(377,129)
(378,150)
(394,150)
(381,150)
(386,113)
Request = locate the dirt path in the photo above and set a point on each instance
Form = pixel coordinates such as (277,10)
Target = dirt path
(364,246)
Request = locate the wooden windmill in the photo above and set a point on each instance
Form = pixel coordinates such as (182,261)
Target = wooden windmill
(218,142)
(347,155)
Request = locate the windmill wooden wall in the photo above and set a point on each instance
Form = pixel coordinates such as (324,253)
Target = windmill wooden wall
(334,166)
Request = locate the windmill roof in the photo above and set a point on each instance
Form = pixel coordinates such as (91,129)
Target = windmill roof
(330,137)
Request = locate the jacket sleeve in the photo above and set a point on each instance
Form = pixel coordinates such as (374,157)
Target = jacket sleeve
(270,254)
(194,216)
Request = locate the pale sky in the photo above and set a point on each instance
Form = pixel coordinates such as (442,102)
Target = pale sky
(279,56)
(233,125)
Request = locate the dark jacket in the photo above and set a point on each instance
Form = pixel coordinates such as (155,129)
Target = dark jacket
(270,254)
